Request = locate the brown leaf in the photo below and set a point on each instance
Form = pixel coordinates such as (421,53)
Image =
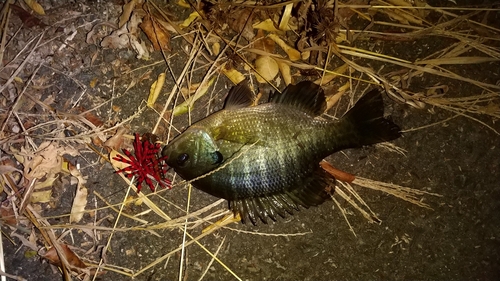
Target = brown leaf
(263,43)
(52,256)
(46,160)
(241,21)
(336,173)
(115,142)
(79,203)
(96,121)
(267,68)
(159,36)
(27,19)
(127,11)
(7,215)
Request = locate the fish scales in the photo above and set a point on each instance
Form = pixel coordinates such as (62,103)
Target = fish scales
(286,140)
(265,159)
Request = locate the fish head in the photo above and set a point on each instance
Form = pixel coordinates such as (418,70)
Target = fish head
(193,154)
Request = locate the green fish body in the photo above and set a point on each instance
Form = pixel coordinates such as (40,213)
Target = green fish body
(264,159)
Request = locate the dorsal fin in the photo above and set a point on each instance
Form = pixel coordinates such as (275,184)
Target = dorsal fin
(239,96)
(305,96)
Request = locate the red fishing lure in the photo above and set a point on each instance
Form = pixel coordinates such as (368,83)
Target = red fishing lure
(144,164)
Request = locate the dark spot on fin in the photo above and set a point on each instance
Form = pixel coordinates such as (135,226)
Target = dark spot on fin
(305,96)
(310,193)
(365,123)
(239,96)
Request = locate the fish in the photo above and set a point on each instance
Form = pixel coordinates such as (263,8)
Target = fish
(264,159)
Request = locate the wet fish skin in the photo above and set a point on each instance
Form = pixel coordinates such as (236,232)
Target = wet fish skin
(265,159)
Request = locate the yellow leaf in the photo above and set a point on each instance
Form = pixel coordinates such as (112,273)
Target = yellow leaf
(330,75)
(117,164)
(155,89)
(286,17)
(37,8)
(93,82)
(285,72)
(79,203)
(341,37)
(232,74)
(41,196)
(188,104)
(291,52)
(216,49)
(46,183)
(192,17)
(183,4)
(267,68)
(267,25)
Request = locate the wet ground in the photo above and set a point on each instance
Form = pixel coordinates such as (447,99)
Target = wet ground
(458,239)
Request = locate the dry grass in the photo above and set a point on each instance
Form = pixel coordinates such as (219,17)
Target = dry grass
(354,73)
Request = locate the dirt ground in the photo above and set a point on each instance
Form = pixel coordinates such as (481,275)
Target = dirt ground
(444,153)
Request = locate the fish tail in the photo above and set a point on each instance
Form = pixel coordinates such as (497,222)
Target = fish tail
(365,124)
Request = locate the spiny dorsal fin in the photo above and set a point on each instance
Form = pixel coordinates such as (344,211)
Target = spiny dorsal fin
(239,96)
(305,96)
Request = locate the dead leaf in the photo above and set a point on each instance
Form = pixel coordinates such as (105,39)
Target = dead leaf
(155,89)
(73,260)
(232,74)
(46,160)
(27,19)
(7,214)
(46,183)
(216,48)
(263,43)
(118,39)
(80,200)
(116,108)
(291,52)
(183,4)
(26,242)
(5,169)
(285,72)
(190,19)
(79,203)
(267,25)
(285,18)
(188,103)
(115,163)
(329,76)
(116,141)
(96,121)
(127,11)
(93,82)
(159,36)
(241,22)
(333,99)
(37,8)
(267,68)
(336,173)
(43,196)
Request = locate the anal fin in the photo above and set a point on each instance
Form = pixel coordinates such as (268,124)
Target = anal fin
(312,192)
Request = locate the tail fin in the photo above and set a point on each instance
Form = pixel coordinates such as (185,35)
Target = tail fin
(365,124)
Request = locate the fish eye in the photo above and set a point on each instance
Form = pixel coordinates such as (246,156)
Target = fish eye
(217,157)
(181,159)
